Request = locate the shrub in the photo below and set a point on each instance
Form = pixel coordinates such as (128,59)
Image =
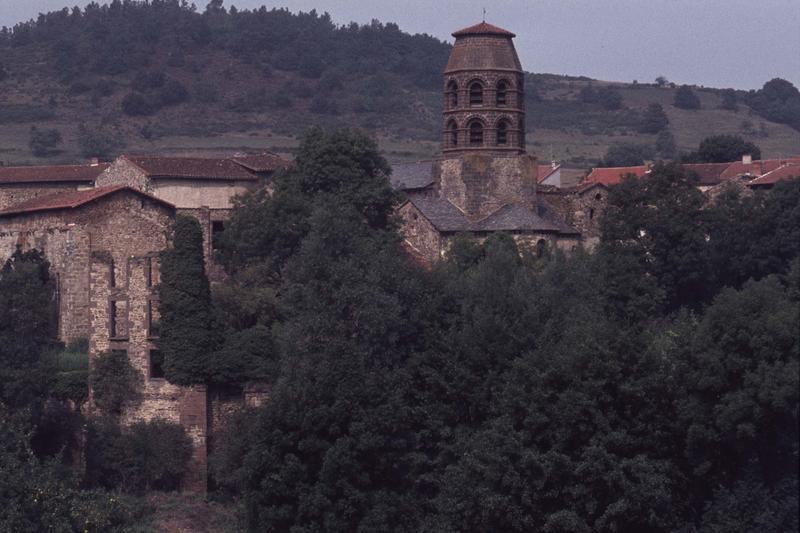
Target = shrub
(136,104)
(43,142)
(99,141)
(172,93)
(654,119)
(685,98)
(147,81)
(114,382)
(144,456)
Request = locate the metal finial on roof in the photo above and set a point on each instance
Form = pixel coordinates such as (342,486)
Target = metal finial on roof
(484,14)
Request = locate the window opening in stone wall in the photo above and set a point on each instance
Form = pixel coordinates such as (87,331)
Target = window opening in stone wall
(153,319)
(452,94)
(56,310)
(452,133)
(598,196)
(541,247)
(502,93)
(217,227)
(475,93)
(117,313)
(591,213)
(475,133)
(148,271)
(112,275)
(502,133)
(156,364)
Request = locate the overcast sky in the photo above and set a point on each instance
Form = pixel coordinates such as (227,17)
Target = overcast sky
(717,43)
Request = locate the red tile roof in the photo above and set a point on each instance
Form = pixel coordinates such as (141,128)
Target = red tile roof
(612,175)
(774,176)
(192,167)
(545,171)
(483,29)
(759,167)
(72,200)
(53,173)
(707,173)
(266,162)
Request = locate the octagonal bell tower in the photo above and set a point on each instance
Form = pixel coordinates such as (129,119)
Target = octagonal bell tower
(484,94)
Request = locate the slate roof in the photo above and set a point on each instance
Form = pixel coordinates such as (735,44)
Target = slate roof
(72,200)
(447,218)
(51,173)
(192,167)
(410,176)
(483,28)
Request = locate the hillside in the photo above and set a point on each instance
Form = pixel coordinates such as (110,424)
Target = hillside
(160,78)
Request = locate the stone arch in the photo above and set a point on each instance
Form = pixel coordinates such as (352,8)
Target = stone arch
(503,89)
(503,132)
(451,135)
(541,248)
(476,89)
(451,94)
(475,132)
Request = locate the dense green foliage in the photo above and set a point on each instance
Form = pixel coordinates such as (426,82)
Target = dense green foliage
(141,457)
(646,387)
(778,101)
(722,149)
(115,383)
(41,385)
(26,328)
(189,336)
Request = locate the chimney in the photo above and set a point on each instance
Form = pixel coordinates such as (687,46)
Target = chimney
(747,159)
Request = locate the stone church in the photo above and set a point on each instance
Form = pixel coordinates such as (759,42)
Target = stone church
(102,226)
(485,181)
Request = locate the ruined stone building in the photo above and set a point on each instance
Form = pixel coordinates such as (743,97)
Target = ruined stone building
(485,181)
(102,228)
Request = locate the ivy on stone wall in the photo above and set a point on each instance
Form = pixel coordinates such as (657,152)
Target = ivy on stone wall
(189,336)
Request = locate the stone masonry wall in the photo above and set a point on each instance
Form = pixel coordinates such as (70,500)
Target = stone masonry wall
(186,406)
(12,194)
(123,172)
(66,246)
(420,233)
(481,184)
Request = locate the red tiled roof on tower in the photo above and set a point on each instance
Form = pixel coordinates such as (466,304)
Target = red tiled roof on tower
(71,200)
(483,29)
(52,173)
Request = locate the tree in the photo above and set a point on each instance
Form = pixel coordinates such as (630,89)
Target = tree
(661,81)
(188,328)
(723,149)
(27,328)
(43,142)
(778,100)
(665,144)
(729,100)
(99,141)
(685,98)
(656,219)
(654,119)
(627,155)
